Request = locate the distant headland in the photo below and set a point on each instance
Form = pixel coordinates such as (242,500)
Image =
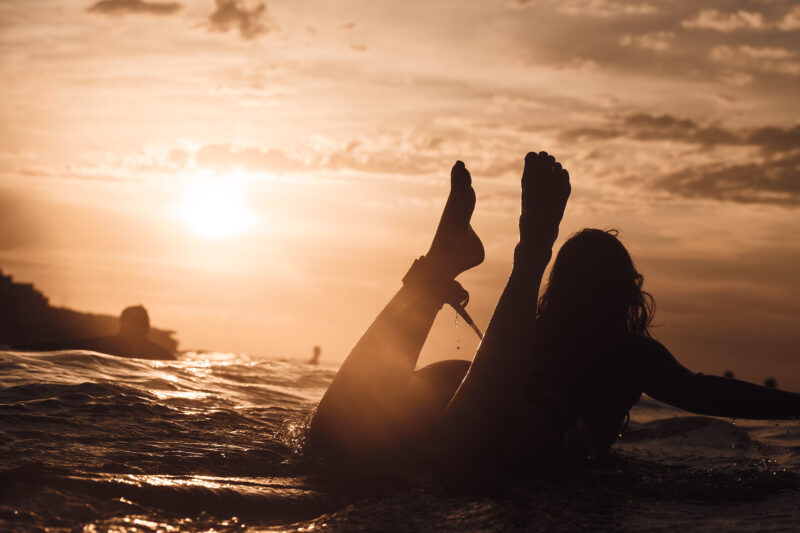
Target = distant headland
(28,319)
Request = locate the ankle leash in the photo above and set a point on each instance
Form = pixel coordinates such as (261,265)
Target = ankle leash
(423,275)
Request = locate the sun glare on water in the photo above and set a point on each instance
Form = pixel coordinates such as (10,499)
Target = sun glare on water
(216,208)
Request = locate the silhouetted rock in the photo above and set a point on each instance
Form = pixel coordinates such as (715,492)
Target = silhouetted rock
(29,322)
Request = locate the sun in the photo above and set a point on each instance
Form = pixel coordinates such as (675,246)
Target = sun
(215,208)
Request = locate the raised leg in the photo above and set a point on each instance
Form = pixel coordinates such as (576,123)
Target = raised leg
(357,414)
(479,413)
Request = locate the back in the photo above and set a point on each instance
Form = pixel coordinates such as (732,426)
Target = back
(588,384)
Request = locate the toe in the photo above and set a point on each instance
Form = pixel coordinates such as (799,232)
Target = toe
(530,162)
(459,176)
(533,165)
(564,186)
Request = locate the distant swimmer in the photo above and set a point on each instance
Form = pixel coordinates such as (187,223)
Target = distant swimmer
(130,341)
(315,353)
(556,374)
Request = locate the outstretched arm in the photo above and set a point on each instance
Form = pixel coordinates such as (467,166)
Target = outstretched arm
(666,380)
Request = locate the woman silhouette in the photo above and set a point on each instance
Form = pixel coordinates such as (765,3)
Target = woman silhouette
(550,384)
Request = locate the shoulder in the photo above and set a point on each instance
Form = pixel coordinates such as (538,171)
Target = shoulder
(656,367)
(645,356)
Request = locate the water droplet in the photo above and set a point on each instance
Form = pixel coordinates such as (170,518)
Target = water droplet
(458,337)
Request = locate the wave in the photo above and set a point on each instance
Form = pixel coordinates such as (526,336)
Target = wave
(213,441)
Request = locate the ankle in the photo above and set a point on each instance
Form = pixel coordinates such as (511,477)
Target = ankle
(433,282)
(437,261)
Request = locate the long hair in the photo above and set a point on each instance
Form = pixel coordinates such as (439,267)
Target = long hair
(594,286)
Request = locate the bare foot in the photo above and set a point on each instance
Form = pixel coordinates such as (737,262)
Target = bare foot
(545,190)
(456,247)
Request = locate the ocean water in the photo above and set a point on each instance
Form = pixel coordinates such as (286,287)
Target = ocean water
(211,443)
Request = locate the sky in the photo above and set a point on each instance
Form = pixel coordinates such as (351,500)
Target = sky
(261,175)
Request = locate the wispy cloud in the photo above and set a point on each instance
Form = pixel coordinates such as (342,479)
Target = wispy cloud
(771,60)
(378,156)
(606,8)
(713,19)
(226,157)
(657,41)
(249,20)
(772,181)
(771,175)
(791,21)
(665,127)
(124,7)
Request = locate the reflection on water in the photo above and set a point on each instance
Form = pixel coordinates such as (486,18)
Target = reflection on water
(213,441)
(189,395)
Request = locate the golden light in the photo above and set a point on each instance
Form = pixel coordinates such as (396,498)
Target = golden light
(215,208)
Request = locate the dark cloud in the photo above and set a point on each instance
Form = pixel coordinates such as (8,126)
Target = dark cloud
(775,139)
(235,14)
(590,134)
(647,127)
(123,7)
(670,39)
(773,177)
(773,181)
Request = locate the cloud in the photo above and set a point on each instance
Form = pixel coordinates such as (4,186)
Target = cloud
(605,8)
(123,7)
(648,127)
(765,52)
(791,21)
(592,8)
(225,157)
(712,19)
(770,176)
(772,60)
(235,14)
(378,160)
(386,154)
(668,43)
(773,181)
(775,139)
(657,41)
